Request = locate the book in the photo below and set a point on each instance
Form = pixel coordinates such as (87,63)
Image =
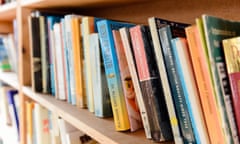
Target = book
(102,103)
(13,110)
(51,20)
(166,33)
(59,61)
(4,59)
(35,53)
(41,125)
(29,118)
(119,109)
(150,83)
(215,30)
(231,53)
(185,72)
(88,26)
(77,46)
(176,103)
(127,84)
(65,128)
(4,104)
(127,45)
(202,74)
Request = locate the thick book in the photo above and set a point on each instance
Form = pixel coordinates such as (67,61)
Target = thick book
(176,103)
(127,84)
(231,49)
(36,65)
(127,46)
(215,30)
(190,90)
(150,83)
(202,74)
(111,65)
(102,103)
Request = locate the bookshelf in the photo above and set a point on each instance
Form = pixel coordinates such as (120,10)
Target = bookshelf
(137,11)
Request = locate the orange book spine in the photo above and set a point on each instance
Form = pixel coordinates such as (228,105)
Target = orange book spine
(77,61)
(204,83)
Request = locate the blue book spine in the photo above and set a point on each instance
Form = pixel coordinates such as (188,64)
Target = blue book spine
(51,21)
(105,28)
(66,62)
(185,91)
(11,94)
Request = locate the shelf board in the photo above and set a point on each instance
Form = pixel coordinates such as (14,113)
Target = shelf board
(100,129)
(8,11)
(10,78)
(75,3)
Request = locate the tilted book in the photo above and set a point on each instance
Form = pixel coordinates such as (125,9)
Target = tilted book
(127,84)
(176,103)
(215,30)
(203,77)
(187,80)
(120,115)
(127,45)
(150,83)
(102,103)
(231,49)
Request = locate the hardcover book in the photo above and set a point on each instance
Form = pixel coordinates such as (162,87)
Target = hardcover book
(231,49)
(150,84)
(127,84)
(102,103)
(111,65)
(217,29)
(127,45)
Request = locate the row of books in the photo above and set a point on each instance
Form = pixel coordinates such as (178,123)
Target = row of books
(9,110)
(168,77)
(45,127)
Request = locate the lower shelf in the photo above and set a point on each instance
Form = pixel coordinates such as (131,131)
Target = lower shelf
(10,78)
(100,129)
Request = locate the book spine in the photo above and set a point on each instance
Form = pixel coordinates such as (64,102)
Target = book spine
(127,84)
(150,81)
(102,103)
(218,67)
(88,28)
(176,107)
(68,36)
(206,90)
(176,88)
(113,77)
(185,72)
(36,54)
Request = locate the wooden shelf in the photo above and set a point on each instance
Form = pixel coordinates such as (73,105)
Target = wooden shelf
(10,78)
(75,3)
(100,129)
(8,11)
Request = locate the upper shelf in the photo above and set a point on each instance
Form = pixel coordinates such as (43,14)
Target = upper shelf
(75,3)
(100,129)
(8,11)
(10,78)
